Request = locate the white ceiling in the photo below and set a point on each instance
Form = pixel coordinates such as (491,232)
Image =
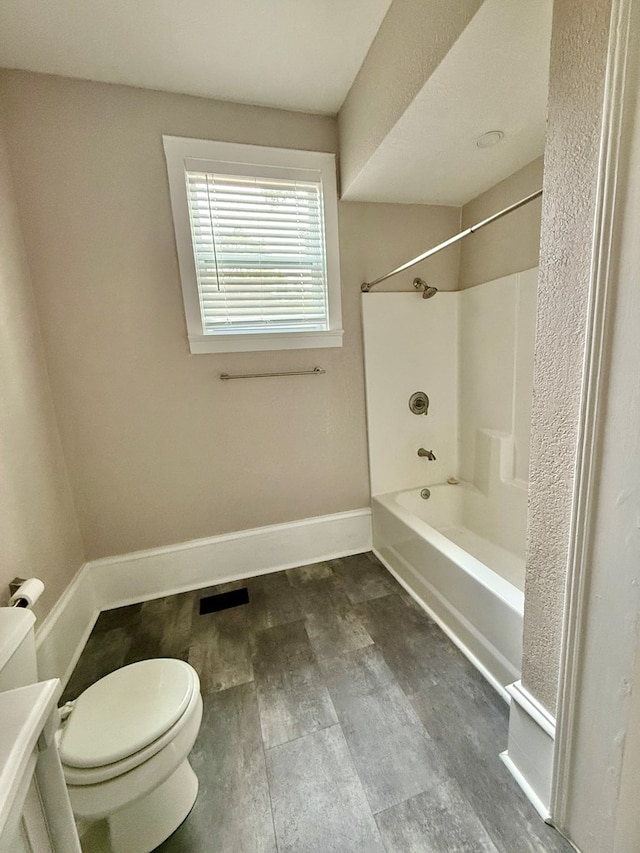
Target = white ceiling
(293,54)
(304,55)
(495,77)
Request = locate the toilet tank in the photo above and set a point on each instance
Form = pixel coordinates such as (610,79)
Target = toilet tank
(17,648)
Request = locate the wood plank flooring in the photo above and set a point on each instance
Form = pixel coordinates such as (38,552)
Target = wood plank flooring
(337,717)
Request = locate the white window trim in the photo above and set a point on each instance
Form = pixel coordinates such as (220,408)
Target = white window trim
(178,150)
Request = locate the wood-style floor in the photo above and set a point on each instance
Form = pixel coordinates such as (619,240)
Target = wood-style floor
(337,717)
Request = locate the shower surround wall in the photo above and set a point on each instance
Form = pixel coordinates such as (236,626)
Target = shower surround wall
(411,344)
(472,353)
(497,339)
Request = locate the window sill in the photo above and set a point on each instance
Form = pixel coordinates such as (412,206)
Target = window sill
(259,343)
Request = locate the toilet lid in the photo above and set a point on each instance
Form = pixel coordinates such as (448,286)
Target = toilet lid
(125,711)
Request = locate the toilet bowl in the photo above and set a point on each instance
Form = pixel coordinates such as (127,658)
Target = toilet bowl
(124,751)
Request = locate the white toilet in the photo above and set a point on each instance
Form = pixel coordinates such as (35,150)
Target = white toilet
(125,744)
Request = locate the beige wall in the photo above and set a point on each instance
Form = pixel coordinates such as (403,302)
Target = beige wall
(386,235)
(578,60)
(159,449)
(38,528)
(511,244)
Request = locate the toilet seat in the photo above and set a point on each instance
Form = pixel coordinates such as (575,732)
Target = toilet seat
(127,717)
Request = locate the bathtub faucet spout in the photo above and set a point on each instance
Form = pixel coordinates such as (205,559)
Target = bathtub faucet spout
(429,454)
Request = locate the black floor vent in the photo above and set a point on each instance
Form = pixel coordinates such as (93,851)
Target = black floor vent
(224,600)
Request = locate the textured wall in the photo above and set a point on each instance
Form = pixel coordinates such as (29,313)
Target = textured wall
(511,244)
(38,528)
(403,55)
(578,57)
(159,449)
(603,775)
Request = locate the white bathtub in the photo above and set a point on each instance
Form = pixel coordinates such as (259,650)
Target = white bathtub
(471,586)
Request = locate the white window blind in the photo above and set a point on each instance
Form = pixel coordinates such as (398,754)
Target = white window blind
(259,251)
(257,243)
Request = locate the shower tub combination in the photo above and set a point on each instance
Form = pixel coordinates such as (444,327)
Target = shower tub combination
(472,586)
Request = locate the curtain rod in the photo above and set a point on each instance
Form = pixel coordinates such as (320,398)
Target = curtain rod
(367,285)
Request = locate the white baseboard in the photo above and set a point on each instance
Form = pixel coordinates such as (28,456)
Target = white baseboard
(529,755)
(129,578)
(217,559)
(66,628)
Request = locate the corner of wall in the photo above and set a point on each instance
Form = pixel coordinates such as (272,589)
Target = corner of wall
(511,244)
(40,531)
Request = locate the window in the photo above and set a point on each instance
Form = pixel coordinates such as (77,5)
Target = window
(257,238)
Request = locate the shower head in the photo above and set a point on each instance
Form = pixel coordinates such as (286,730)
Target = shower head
(427,290)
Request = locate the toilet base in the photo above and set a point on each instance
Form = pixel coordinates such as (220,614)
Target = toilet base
(142,826)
